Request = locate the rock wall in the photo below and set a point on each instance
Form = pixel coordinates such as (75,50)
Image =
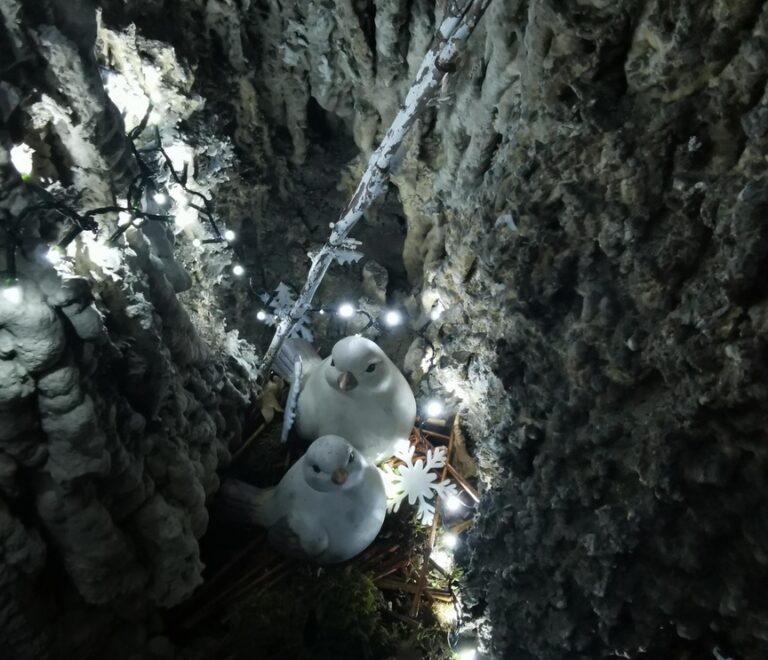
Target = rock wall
(584,203)
(624,320)
(115,413)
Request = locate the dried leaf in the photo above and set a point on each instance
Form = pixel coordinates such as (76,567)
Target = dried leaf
(270,399)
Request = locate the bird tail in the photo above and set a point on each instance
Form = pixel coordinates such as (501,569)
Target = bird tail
(244,504)
(292,350)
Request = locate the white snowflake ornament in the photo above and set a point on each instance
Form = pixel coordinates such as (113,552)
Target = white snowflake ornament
(346,253)
(417,481)
(281,302)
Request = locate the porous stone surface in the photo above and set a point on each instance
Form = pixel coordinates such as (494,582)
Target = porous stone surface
(584,204)
(115,412)
(622,320)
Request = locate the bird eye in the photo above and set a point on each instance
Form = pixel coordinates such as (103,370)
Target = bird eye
(316,469)
(371,367)
(351,457)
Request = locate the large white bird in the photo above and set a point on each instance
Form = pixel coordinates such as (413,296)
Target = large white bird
(356,392)
(327,508)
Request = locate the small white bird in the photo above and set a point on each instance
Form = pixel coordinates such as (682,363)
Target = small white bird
(327,508)
(356,392)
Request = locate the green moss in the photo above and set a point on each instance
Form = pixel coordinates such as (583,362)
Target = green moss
(336,614)
(318,614)
(349,610)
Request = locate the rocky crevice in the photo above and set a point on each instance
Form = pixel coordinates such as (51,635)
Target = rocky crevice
(585,202)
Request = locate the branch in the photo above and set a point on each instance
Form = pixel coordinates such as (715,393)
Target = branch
(461,18)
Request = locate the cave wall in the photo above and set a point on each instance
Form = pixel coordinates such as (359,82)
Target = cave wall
(118,402)
(625,319)
(586,202)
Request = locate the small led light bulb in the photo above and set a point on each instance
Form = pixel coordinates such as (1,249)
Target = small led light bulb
(393,318)
(450,540)
(238,270)
(229,235)
(160,197)
(197,242)
(453,503)
(55,254)
(443,558)
(434,408)
(21,157)
(466,654)
(180,155)
(261,315)
(346,311)
(185,217)
(12,294)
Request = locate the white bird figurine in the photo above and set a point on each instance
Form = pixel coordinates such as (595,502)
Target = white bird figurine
(327,508)
(356,392)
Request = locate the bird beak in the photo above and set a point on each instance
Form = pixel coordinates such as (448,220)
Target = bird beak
(347,381)
(339,476)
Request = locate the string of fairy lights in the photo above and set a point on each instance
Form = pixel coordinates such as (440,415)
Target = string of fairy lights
(149,198)
(160,193)
(388,320)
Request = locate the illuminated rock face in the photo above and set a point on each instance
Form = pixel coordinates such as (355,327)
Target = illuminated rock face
(586,206)
(118,403)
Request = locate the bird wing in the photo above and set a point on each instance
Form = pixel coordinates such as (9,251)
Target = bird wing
(292,402)
(296,536)
(292,350)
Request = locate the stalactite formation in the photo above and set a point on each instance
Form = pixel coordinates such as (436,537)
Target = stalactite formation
(573,229)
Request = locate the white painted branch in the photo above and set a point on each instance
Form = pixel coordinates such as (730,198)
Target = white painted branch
(460,20)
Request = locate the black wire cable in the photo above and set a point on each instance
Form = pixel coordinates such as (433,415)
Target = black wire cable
(147,181)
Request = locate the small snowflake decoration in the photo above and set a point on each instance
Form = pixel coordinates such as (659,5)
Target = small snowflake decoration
(281,303)
(344,254)
(417,481)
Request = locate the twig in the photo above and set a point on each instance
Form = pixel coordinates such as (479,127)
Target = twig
(247,550)
(279,573)
(435,434)
(461,18)
(416,604)
(372,554)
(463,483)
(248,442)
(468,488)
(439,568)
(390,568)
(248,581)
(390,584)
(462,526)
